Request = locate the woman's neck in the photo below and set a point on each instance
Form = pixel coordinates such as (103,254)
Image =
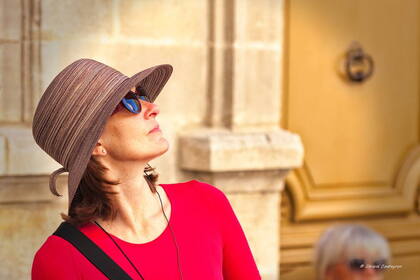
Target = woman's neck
(137,207)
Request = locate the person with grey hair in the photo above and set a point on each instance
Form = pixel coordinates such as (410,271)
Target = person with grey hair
(351,252)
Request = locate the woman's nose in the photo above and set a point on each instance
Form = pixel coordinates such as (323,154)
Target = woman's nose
(152,110)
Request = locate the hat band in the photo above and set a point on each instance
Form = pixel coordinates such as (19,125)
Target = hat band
(53,178)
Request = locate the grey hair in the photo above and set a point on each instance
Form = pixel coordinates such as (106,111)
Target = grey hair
(346,241)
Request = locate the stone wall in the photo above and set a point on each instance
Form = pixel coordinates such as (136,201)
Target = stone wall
(220,110)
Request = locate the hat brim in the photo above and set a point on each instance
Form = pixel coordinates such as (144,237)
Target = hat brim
(152,80)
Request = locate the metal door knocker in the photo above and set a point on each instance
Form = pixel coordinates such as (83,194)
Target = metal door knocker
(359,65)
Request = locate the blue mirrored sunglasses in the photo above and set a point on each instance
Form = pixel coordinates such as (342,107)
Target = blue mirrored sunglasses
(131,102)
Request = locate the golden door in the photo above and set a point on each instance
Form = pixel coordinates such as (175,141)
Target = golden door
(361,137)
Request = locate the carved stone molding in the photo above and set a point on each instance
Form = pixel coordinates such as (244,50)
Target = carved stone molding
(31,189)
(400,197)
(222,151)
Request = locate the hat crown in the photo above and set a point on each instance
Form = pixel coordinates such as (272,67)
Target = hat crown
(70,106)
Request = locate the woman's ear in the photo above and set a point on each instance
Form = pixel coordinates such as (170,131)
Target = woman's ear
(99,150)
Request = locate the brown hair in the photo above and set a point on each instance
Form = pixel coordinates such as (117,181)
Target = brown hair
(93,196)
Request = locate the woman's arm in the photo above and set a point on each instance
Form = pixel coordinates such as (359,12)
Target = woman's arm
(54,260)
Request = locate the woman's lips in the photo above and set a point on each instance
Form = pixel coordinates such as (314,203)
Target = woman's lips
(155,129)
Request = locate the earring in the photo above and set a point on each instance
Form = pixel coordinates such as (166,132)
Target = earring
(103,151)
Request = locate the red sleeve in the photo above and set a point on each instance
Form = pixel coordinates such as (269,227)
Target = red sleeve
(238,261)
(54,260)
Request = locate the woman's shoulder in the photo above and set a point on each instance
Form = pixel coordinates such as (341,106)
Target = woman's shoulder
(194,187)
(201,192)
(54,245)
(53,259)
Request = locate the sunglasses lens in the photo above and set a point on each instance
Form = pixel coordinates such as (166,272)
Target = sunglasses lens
(131,102)
(357,264)
(133,105)
(144,98)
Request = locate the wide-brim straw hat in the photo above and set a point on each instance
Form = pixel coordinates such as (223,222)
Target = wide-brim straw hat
(73,110)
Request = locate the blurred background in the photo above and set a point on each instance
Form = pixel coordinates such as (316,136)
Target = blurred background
(304,112)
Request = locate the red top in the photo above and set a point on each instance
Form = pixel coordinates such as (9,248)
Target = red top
(211,242)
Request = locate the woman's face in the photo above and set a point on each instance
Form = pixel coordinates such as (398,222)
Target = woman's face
(344,271)
(134,137)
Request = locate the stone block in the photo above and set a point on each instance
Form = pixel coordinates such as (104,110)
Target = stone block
(68,19)
(259,21)
(24,156)
(183,22)
(222,151)
(256,88)
(10,20)
(10,82)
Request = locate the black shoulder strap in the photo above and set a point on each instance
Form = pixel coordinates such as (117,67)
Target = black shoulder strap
(91,251)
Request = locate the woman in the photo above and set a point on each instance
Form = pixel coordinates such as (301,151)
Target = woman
(351,252)
(101,126)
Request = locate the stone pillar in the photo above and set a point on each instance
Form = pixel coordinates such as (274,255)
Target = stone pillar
(242,149)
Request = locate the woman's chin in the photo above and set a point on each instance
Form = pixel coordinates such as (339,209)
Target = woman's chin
(151,149)
(163,146)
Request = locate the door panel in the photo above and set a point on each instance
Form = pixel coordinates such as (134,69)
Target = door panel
(357,136)
(361,140)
